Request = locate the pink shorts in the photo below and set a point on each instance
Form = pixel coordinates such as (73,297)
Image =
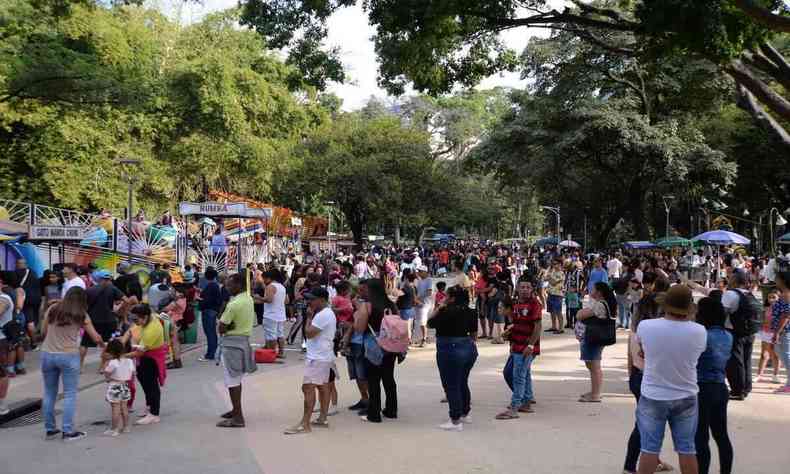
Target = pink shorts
(318,372)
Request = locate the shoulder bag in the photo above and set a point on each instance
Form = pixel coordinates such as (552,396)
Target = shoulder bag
(600,332)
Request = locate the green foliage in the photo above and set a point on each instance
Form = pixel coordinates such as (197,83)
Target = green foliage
(199,106)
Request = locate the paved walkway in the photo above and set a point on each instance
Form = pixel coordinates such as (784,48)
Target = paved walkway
(563,436)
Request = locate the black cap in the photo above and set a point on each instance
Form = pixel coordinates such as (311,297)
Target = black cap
(317,293)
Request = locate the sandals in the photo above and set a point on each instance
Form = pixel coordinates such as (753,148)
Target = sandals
(322,424)
(587,398)
(295,430)
(509,414)
(664,467)
(526,408)
(230,424)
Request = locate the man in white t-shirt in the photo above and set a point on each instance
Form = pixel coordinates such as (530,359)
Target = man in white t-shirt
(71,278)
(614,266)
(320,368)
(671,347)
(274,299)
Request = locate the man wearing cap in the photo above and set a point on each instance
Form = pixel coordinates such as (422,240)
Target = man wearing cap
(320,327)
(102,300)
(671,347)
(423,303)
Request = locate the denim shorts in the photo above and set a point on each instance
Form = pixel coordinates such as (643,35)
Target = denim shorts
(407,314)
(273,330)
(356,363)
(590,352)
(652,417)
(554,304)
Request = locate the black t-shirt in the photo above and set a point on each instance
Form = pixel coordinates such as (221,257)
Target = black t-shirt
(101,300)
(31,286)
(454,321)
(130,286)
(406,301)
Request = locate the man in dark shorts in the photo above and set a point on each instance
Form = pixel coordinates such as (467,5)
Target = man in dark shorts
(102,298)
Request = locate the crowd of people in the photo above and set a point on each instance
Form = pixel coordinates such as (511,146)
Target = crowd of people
(687,359)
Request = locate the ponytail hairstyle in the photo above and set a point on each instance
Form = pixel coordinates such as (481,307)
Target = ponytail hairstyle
(608,295)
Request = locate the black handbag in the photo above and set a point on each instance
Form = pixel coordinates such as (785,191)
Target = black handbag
(600,332)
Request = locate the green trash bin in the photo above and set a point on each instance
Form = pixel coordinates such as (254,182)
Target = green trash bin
(189,335)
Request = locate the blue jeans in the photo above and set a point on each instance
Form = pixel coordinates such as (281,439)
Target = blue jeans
(455,357)
(209,320)
(782,349)
(652,417)
(522,380)
(53,366)
(623,313)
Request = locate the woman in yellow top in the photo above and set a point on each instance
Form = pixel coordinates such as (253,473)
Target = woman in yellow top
(151,354)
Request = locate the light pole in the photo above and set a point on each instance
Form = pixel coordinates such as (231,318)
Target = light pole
(127,164)
(556,211)
(779,221)
(329,225)
(667,200)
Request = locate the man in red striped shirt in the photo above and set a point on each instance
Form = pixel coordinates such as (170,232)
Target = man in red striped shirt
(524,347)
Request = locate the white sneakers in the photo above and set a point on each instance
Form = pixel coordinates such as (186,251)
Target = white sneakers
(467,420)
(4,410)
(147,420)
(450,426)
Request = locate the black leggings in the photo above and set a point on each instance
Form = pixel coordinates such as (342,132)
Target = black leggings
(712,418)
(379,375)
(148,375)
(635,440)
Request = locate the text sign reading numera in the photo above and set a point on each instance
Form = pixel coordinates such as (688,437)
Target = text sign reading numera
(212,208)
(56,232)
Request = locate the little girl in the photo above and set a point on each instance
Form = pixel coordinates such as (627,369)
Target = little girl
(118,373)
(766,337)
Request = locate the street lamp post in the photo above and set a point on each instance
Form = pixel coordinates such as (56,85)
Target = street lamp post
(779,221)
(556,211)
(329,225)
(667,199)
(128,164)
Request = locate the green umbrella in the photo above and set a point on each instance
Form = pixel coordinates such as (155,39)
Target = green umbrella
(671,242)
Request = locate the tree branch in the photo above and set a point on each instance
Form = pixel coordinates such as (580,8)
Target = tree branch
(566,16)
(591,38)
(745,77)
(777,58)
(747,102)
(764,16)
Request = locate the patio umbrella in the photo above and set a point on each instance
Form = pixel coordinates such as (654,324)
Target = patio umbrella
(639,245)
(570,243)
(671,242)
(546,241)
(721,237)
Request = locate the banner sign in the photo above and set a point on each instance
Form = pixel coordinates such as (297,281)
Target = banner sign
(223,209)
(56,232)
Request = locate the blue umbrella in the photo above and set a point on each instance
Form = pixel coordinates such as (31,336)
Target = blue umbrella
(721,237)
(546,241)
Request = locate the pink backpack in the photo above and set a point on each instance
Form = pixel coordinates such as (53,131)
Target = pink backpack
(394,334)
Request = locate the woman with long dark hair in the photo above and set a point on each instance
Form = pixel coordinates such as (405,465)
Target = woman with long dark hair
(369,318)
(713,394)
(604,305)
(456,331)
(60,358)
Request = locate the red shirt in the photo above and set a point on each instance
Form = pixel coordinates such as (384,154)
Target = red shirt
(344,309)
(524,317)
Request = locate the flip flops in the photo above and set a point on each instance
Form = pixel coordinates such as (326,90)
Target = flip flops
(230,424)
(586,398)
(295,430)
(322,424)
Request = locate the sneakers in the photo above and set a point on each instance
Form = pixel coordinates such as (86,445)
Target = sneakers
(450,426)
(4,410)
(775,379)
(74,436)
(360,405)
(467,420)
(148,420)
(126,430)
(111,433)
(50,435)
(205,359)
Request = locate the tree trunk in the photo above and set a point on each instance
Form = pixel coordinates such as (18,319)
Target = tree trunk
(397,233)
(636,204)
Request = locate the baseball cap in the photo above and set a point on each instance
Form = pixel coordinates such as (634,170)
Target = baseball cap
(102,275)
(317,293)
